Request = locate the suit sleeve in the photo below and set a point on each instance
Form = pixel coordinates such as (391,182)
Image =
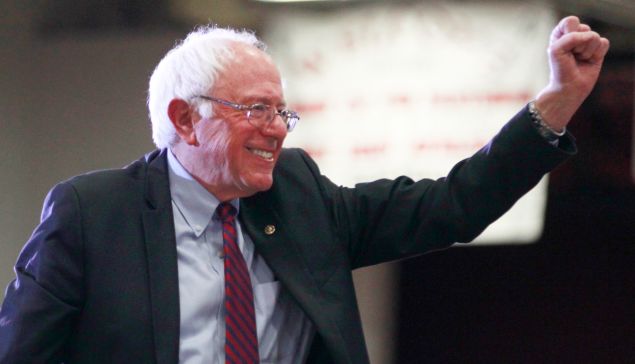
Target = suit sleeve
(392,219)
(37,314)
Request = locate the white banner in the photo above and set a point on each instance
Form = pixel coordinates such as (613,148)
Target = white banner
(410,90)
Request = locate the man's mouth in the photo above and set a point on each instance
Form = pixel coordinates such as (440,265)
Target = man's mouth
(262,154)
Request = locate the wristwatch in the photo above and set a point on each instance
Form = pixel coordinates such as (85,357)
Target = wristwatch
(543,129)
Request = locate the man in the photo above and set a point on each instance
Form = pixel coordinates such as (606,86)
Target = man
(147,264)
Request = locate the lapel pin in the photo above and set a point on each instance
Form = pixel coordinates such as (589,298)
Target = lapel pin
(270,229)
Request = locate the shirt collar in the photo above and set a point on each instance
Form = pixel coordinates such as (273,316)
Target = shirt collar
(196,204)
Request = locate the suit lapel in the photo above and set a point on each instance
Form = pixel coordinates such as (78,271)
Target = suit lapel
(160,242)
(282,254)
(273,241)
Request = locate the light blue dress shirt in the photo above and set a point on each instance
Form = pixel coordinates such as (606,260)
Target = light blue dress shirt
(284,330)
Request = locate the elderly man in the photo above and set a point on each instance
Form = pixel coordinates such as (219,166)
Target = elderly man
(222,246)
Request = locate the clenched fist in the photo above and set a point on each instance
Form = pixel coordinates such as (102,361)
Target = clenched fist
(576,54)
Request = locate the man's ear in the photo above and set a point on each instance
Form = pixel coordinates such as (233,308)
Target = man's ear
(181,115)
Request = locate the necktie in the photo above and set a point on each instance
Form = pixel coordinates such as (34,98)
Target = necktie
(241,339)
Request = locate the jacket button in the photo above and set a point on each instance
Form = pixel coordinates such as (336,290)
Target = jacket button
(270,229)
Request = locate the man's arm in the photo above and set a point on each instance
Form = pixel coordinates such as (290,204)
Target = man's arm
(36,315)
(395,219)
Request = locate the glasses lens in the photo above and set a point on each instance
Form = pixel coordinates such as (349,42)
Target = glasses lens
(290,118)
(259,115)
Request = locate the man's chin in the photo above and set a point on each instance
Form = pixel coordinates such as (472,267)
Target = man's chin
(257,184)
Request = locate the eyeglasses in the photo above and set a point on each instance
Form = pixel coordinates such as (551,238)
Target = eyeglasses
(260,115)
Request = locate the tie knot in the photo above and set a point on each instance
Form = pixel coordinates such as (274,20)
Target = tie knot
(226,211)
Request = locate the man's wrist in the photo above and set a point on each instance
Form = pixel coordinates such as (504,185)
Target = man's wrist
(542,127)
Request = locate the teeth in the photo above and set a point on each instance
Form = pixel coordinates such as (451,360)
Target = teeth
(262,153)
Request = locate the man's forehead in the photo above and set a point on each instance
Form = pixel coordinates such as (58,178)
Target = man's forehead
(250,68)
(247,53)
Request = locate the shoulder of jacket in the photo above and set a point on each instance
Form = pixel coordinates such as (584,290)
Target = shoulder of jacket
(296,157)
(114,178)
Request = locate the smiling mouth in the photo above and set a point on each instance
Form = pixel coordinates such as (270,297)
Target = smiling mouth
(268,156)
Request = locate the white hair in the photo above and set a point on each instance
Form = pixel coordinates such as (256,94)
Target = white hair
(190,69)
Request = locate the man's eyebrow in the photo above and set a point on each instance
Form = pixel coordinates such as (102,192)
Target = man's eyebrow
(264,100)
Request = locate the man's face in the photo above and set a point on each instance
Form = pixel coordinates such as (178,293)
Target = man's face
(237,159)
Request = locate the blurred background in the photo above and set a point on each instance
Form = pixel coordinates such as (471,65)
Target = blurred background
(73,80)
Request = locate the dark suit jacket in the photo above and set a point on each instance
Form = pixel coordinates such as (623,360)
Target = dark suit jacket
(97,281)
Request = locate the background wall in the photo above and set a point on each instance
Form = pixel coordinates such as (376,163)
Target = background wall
(67,106)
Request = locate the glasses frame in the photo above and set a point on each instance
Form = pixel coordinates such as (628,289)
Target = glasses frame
(289,117)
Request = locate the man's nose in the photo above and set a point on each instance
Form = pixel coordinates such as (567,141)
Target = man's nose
(275,128)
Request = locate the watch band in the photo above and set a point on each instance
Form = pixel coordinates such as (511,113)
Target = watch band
(543,129)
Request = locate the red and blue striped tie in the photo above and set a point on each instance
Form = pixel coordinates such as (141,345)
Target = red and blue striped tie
(241,338)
